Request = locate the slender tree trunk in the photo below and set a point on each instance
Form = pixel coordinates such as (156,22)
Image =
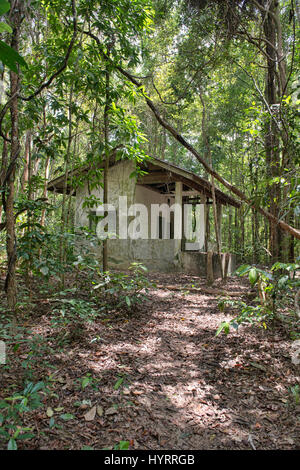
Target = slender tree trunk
(46,176)
(75,152)
(254,215)
(30,188)
(275,88)
(236,232)
(62,249)
(10,284)
(208,153)
(229,242)
(3,174)
(106,163)
(207,228)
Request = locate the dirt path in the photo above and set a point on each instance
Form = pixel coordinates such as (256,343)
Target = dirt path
(182,387)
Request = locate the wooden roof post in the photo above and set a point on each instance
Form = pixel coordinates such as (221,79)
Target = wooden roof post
(203,201)
(219,219)
(178,219)
(207,225)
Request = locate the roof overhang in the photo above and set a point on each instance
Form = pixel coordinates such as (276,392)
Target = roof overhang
(161,177)
(162,173)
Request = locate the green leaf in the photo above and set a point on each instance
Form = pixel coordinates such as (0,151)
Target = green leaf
(5,28)
(224,326)
(4,7)
(67,416)
(85,382)
(128,301)
(49,412)
(124,445)
(118,383)
(15,397)
(10,57)
(243,269)
(12,445)
(27,435)
(253,276)
(37,387)
(282,282)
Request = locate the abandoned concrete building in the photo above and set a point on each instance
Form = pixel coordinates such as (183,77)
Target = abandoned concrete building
(159,183)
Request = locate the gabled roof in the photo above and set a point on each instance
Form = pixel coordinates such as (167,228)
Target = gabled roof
(161,176)
(189,179)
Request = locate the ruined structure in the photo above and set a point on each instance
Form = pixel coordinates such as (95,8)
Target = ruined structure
(158,182)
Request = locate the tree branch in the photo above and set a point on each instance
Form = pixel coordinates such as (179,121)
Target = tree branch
(283,225)
(65,62)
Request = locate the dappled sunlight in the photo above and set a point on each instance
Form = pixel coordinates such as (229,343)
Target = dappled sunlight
(162,378)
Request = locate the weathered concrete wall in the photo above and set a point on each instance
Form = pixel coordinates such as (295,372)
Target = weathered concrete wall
(120,184)
(194,262)
(154,254)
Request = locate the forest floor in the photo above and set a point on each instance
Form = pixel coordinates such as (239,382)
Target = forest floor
(161,379)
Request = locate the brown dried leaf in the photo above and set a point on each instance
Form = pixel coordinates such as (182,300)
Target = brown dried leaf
(90,415)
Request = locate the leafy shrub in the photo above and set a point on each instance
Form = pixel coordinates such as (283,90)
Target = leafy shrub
(123,291)
(275,290)
(70,317)
(12,410)
(275,287)
(251,314)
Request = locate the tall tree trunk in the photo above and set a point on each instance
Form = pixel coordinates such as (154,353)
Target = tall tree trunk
(10,284)
(106,163)
(3,174)
(62,248)
(75,152)
(275,88)
(229,235)
(46,176)
(208,153)
(236,233)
